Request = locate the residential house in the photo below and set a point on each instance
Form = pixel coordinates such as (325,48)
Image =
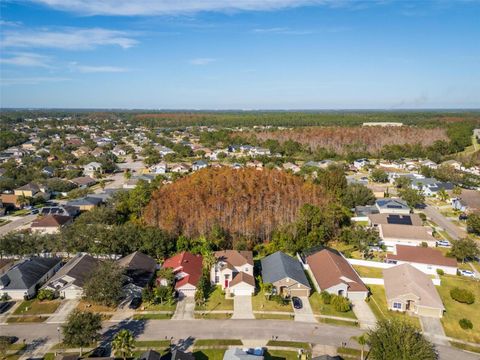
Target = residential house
(360,163)
(10,200)
(118,151)
(394,234)
(85,204)
(139,271)
(468,201)
(48,171)
(81,151)
(163,150)
(398,219)
(199,164)
(292,167)
(68,282)
(83,181)
(392,206)
(428,163)
(91,169)
(240,354)
(430,186)
(187,269)
(233,271)
(255,164)
(332,273)
(180,168)
(453,163)
(286,275)
(50,224)
(407,289)
(28,190)
(59,210)
(160,168)
(98,151)
(23,279)
(427,260)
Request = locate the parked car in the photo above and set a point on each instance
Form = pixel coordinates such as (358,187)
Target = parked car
(462,216)
(135,303)
(468,273)
(297,303)
(443,243)
(34,211)
(258,351)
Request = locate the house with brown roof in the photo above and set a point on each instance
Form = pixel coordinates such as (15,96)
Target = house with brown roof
(332,273)
(427,260)
(407,289)
(50,224)
(395,234)
(395,219)
(468,201)
(28,190)
(187,269)
(233,271)
(83,181)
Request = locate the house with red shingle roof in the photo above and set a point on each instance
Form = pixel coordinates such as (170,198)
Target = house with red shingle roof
(332,273)
(187,269)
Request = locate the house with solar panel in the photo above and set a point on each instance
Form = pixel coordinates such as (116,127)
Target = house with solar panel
(392,206)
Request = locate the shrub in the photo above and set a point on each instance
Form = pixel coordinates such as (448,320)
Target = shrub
(341,303)
(326,297)
(440,272)
(462,295)
(278,299)
(45,294)
(465,324)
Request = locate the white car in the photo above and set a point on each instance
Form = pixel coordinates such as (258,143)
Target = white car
(443,243)
(468,273)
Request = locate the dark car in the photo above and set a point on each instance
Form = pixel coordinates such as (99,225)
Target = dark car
(462,216)
(297,303)
(135,303)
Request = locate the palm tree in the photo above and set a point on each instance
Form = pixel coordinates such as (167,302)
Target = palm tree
(362,340)
(457,191)
(209,260)
(123,343)
(443,195)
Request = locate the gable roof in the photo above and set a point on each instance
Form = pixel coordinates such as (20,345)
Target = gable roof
(398,219)
(50,221)
(405,232)
(390,203)
(330,268)
(139,267)
(27,273)
(470,198)
(187,263)
(279,266)
(79,268)
(242,277)
(29,187)
(235,257)
(405,279)
(421,255)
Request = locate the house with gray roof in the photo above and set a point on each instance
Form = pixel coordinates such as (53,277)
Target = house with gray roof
(240,354)
(392,206)
(286,274)
(69,280)
(23,279)
(431,186)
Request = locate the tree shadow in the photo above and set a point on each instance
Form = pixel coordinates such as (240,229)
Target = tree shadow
(184,344)
(136,327)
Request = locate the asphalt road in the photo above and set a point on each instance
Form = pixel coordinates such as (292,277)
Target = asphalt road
(17,223)
(186,331)
(454,231)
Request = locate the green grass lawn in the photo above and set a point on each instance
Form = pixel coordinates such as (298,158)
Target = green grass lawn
(152,316)
(159,307)
(368,272)
(153,344)
(213,342)
(294,344)
(378,304)
(274,316)
(338,322)
(280,354)
(27,319)
(216,301)
(456,311)
(320,308)
(209,354)
(36,307)
(213,316)
(466,347)
(260,303)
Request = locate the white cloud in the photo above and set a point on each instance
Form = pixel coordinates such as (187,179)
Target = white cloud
(27,59)
(282,31)
(202,61)
(97,69)
(31,80)
(70,38)
(10,23)
(172,7)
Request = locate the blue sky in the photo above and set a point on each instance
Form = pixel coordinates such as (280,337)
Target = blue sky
(240,54)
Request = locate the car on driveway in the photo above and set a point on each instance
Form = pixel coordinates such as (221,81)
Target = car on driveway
(297,303)
(468,273)
(443,243)
(135,303)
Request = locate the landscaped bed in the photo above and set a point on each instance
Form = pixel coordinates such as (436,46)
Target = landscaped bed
(378,304)
(456,310)
(37,307)
(216,301)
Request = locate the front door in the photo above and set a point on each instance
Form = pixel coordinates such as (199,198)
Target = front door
(226,283)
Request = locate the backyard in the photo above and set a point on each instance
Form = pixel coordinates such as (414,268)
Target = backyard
(456,311)
(368,272)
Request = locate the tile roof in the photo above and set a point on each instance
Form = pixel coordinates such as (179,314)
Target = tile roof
(330,268)
(421,255)
(279,266)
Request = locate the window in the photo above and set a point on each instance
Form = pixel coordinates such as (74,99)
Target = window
(397,305)
(217,279)
(246,269)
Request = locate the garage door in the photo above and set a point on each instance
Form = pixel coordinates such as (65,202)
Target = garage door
(299,292)
(240,292)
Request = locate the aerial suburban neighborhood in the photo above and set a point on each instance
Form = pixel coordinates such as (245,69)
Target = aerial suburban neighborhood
(239,180)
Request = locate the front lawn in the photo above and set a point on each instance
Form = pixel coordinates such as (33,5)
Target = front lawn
(153,344)
(26,319)
(216,301)
(368,272)
(378,304)
(280,355)
(456,311)
(158,307)
(209,354)
(37,307)
(213,316)
(270,316)
(320,308)
(85,305)
(214,342)
(260,303)
(152,316)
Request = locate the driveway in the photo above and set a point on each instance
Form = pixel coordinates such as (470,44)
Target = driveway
(242,307)
(364,314)
(433,330)
(185,309)
(305,314)
(61,315)
(17,223)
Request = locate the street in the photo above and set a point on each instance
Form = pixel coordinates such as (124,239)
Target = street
(186,331)
(454,231)
(17,222)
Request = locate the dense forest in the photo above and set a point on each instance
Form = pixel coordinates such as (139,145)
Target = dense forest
(232,199)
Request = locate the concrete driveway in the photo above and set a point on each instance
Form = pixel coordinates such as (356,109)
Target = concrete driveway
(61,315)
(433,330)
(242,307)
(185,309)
(364,314)
(305,314)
